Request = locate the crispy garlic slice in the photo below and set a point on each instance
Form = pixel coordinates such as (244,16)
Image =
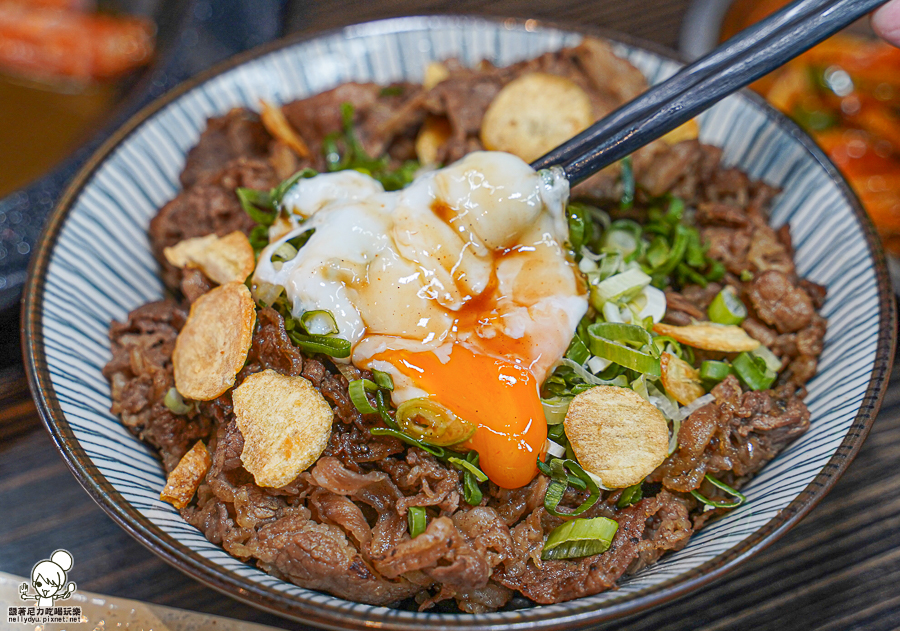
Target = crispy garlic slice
(286,424)
(274,121)
(534,113)
(185,478)
(710,336)
(222,259)
(435,132)
(616,435)
(213,344)
(680,379)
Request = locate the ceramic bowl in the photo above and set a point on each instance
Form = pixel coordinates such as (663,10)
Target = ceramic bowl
(94,265)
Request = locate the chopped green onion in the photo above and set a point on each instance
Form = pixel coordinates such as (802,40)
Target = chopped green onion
(574,481)
(627,177)
(676,252)
(417,519)
(739,498)
(608,340)
(257,204)
(382,408)
(383,379)
(559,483)
(319,322)
(746,276)
(465,465)
(772,361)
(357,390)
(658,252)
(327,345)
(555,409)
(284,252)
(580,538)
(259,238)
(753,371)
(714,371)
(716,271)
(174,401)
(578,352)
(277,194)
(471,491)
(727,308)
(433,423)
(695,256)
(675,211)
(437,452)
(631,495)
(625,286)
(624,235)
(579,226)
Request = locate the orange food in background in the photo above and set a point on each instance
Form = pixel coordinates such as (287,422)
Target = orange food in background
(58,64)
(845,93)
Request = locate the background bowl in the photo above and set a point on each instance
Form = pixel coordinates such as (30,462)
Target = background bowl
(94,265)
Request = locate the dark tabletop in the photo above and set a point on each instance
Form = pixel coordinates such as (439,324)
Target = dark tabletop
(838,569)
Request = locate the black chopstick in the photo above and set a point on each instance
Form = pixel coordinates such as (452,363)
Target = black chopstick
(736,63)
(652,99)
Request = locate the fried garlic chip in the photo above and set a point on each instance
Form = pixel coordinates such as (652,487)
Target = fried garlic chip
(680,379)
(435,72)
(710,336)
(286,424)
(274,121)
(616,435)
(435,132)
(222,259)
(534,113)
(213,344)
(185,478)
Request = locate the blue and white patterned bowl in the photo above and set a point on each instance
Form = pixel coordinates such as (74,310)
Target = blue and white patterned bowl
(94,265)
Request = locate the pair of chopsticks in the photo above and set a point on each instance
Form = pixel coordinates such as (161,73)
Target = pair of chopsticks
(738,62)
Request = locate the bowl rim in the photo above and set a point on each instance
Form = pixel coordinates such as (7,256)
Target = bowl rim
(344,615)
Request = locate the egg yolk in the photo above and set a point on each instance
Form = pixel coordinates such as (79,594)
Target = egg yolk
(500,397)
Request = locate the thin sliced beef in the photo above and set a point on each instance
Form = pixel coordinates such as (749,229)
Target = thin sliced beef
(738,433)
(140,374)
(238,134)
(209,207)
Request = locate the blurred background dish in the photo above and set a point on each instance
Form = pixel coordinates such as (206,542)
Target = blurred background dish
(63,66)
(845,93)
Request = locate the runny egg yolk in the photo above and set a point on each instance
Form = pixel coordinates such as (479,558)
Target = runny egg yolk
(459,286)
(501,398)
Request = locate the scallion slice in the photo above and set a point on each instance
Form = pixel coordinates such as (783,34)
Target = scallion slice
(383,379)
(772,362)
(471,491)
(739,498)
(465,465)
(580,538)
(437,452)
(277,193)
(427,420)
(327,345)
(577,351)
(714,371)
(623,236)
(284,252)
(417,519)
(627,177)
(357,390)
(608,340)
(625,286)
(559,475)
(753,371)
(257,205)
(174,401)
(555,409)
(727,308)
(319,322)
(631,495)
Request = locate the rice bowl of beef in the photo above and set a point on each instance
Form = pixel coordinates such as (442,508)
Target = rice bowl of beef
(763,197)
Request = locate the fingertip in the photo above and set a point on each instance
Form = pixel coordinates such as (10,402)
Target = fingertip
(886,22)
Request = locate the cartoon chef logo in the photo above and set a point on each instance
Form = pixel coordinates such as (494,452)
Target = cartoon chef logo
(48,579)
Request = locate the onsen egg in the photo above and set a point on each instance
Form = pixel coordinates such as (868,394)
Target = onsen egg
(458,286)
